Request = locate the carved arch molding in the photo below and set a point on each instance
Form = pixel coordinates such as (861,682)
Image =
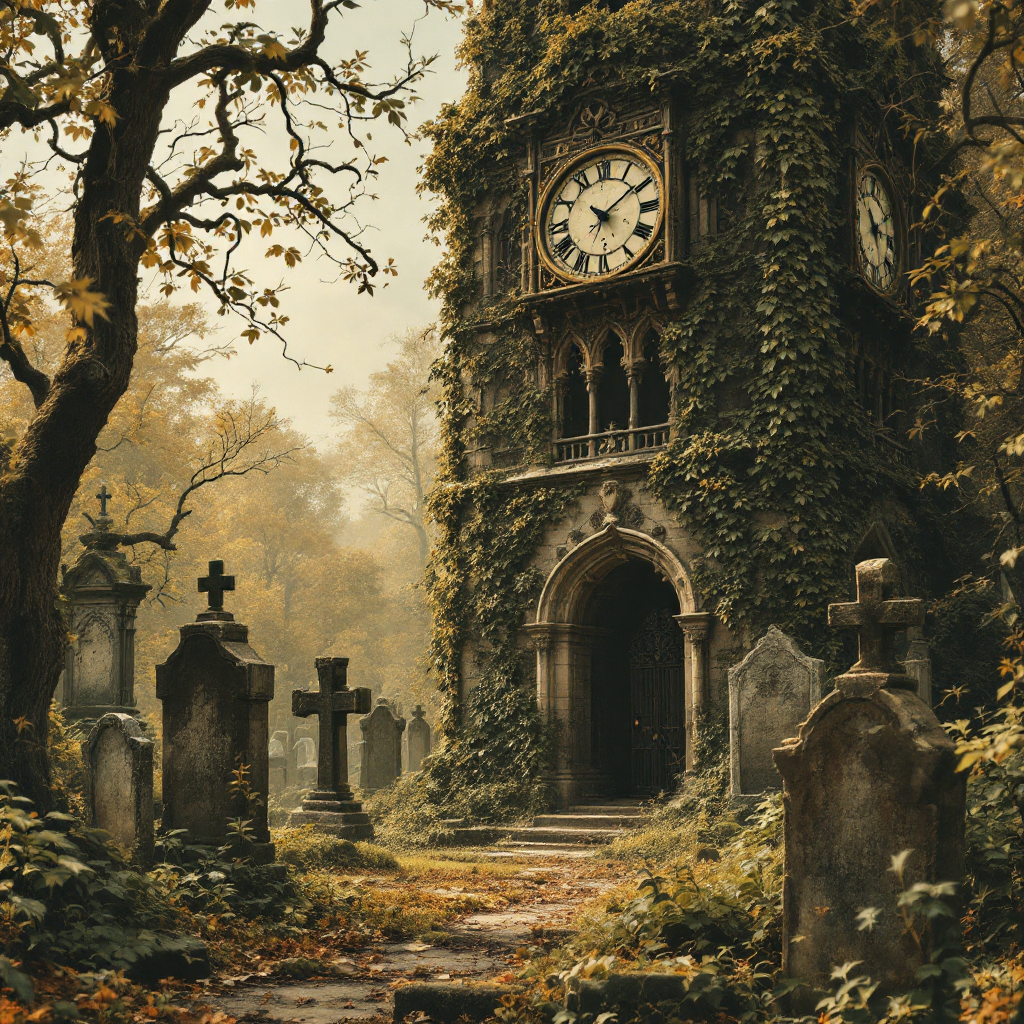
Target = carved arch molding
(591,337)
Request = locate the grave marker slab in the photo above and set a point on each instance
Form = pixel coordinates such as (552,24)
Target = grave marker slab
(771,691)
(381,749)
(418,739)
(119,774)
(872,773)
(215,691)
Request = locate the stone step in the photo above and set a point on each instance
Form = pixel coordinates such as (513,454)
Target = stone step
(573,850)
(632,810)
(561,836)
(580,819)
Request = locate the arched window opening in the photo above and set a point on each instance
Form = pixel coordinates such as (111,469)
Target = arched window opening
(614,387)
(655,393)
(575,398)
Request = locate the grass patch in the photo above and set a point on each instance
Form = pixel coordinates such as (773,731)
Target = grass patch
(309,850)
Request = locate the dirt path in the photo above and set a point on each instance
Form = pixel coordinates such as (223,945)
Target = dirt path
(478,946)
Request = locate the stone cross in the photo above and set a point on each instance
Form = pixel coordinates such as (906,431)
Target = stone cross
(215,585)
(877,615)
(104,496)
(332,705)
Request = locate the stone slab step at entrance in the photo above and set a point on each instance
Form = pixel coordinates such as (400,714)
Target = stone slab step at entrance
(581,826)
(586,820)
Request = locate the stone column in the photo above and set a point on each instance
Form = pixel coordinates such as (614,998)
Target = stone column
(871,775)
(593,377)
(215,691)
(564,652)
(696,627)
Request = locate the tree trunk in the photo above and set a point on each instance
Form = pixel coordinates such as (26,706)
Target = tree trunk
(47,463)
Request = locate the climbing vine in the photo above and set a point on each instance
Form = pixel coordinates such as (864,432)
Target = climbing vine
(774,467)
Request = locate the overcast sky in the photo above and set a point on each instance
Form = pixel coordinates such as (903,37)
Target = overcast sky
(330,323)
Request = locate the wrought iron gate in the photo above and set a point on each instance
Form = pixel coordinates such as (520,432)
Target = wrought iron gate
(656,684)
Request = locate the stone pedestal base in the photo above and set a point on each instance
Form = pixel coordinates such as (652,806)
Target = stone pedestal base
(260,853)
(352,825)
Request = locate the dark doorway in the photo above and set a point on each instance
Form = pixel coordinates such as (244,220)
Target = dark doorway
(637,683)
(575,400)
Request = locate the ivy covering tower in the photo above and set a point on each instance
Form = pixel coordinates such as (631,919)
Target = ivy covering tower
(678,321)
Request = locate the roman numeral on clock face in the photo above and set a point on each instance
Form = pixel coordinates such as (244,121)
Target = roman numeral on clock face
(643,230)
(564,247)
(650,205)
(560,227)
(602,264)
(604,170)
(582,264)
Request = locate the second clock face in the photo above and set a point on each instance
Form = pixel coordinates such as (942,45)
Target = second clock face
(602,215)
(876,231)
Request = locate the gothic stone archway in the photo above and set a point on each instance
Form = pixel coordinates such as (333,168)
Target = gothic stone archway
(610,678)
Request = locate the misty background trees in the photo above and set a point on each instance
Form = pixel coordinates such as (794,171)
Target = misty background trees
(327,540)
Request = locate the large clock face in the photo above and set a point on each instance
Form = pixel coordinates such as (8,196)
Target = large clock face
(602,214)
(876,232)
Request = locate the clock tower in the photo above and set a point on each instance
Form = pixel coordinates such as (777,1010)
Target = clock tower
(677,313)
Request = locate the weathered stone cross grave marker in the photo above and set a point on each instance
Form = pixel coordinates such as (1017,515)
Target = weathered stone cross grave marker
(332,806)
(104,496)
(871,774)
(878,616)
(215,586)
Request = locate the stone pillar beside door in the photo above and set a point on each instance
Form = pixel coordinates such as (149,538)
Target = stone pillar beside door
(696,627)
(564,662)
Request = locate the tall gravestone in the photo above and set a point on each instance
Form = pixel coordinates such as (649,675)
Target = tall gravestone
(331,806)
(103,593)
(871,774)
(215,691)
(418,739)
(771,691)
(381,749)
(119,784)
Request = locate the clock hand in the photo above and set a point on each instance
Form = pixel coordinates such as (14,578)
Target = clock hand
(602,215)
(619,200)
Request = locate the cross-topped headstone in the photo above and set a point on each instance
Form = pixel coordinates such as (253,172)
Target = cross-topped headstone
(332,704)
(877,615)
(214,586)
(104,496)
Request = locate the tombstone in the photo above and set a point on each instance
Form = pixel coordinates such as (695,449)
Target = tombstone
(103,593)
(331,807)
(381,750)
(119,784)
(871,774)
(918,664)
(418,739)
(771,691)
(215,691)
(277,760)
(305,761)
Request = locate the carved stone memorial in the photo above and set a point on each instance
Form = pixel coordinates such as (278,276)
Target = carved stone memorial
(215,691)
(119,784)
(381,749)
(417,739)
(331,806)
(871,774)
(103,593)
(771,691)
